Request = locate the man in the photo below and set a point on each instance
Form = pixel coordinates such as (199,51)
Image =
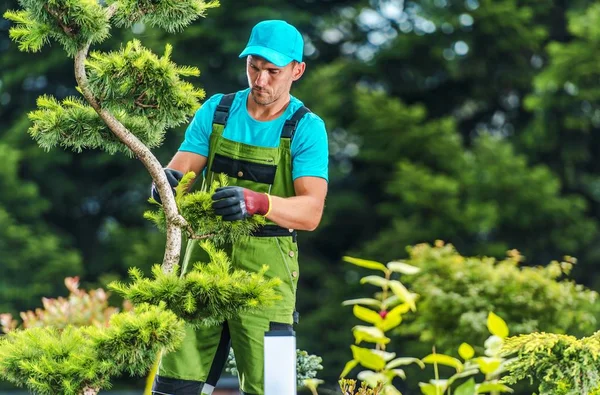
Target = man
(275,153)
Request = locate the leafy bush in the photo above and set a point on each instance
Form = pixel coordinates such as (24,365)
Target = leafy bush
(458,292)
(384,312)
(80,308)
(561,364)
(207,295)
(73,361)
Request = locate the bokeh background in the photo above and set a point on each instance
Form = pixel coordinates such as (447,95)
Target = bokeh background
(476,122)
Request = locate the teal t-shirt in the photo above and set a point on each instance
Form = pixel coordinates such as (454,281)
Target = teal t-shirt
(309,148)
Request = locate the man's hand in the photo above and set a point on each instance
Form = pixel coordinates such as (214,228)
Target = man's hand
(173,176)
(235,203)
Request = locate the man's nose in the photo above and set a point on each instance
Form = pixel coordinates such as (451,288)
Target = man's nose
(261,78)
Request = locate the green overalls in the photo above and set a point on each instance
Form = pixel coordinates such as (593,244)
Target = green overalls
(204,352)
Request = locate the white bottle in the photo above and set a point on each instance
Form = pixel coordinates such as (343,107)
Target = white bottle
(280,360)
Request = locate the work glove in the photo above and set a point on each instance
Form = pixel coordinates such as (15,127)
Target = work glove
(173,176)
(235,203)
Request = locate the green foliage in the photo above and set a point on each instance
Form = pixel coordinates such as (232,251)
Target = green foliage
(168,15)
(561,364)
(566,96)
(144,92)
(81,308)
(71,22)
(434,187)
(73,124)
(34,257)
(50,361)
(207,295)
(458,292)
(196,208)
(138,82)
(383,366)
(390,305)
(307,367)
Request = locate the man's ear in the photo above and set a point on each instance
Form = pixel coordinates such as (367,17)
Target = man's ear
(298,70)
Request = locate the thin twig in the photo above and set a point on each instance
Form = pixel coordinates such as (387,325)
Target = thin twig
(70,31)
(202,237)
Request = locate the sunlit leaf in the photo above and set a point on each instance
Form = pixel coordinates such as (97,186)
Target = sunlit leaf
(389,322)
(375,280)
(363,301)
(372,378)
(466,388)
(497,326)
(367,358)
(348,368)
(390,301)
(469,371)
(366,263)
(385,355)
(369,334)
(465,351)
(445,360)
(492,387)
(404,294)
(403,267)
(488,365)
(404,361)
(367,315)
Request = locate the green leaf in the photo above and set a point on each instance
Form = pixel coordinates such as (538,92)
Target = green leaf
(367,315)
(429,389)
(365,263)
(399,372)
(466,388)
(312,384)
(434,387)
(372,378)
(390,322)
(497,326)
(363,301)
(400,309)
(369,334)
(384,354)
(348,368)
(390,301)
(404,294)
(488,365)
(402,267)
(368,358)
(389,389)
(404,361)
(469,371)
(375,280)
(445,360)
(492,387)
(465,351)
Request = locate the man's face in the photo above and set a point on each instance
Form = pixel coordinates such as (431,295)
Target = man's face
(268,82)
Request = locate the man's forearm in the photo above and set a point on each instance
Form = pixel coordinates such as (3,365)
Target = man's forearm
(297,212)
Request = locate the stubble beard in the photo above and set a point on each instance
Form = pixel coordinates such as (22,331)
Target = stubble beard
(269,99)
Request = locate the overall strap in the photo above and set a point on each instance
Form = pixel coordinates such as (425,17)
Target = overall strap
(289,127)
(222,111)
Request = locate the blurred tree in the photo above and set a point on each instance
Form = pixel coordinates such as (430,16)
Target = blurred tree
(34,257)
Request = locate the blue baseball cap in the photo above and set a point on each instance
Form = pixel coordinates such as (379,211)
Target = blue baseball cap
(276,41)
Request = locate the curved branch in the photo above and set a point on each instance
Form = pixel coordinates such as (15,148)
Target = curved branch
(174,221)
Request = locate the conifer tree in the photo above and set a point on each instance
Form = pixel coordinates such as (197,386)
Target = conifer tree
(130,97)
